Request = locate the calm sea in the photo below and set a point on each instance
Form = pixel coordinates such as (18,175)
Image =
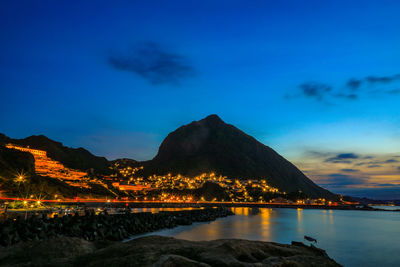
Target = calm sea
(352,238)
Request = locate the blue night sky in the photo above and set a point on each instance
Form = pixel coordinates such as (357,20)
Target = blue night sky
(318,81)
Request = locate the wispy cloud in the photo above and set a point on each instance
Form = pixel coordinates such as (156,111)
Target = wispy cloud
(343,172)
(350,170)
(315,90)
(382,79)
(339,180)
(342,158)
(154,63)
(353,89)
(354,84)
(374,166)
(347,96)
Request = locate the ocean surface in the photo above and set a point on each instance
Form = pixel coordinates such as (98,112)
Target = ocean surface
(351,238)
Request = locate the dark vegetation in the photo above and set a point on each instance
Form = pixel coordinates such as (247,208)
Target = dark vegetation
(14,161)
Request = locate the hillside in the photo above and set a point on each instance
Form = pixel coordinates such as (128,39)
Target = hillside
(12,160)
(75,158)
(49,178)
(211,145)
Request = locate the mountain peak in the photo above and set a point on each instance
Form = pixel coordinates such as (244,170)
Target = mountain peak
(213,118)
(211,145)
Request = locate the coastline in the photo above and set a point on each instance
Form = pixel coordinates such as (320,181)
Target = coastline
(233,204)
(162,251)
(91,227)
(13,213)
(95,240)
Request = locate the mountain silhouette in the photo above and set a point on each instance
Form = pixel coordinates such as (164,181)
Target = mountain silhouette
(211,145)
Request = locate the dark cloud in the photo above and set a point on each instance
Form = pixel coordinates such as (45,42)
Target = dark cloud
(315,90)
(342,158)
(354,84)
(377,163)
(386,193)
(153,63)
(339,180)
(317,154)
(382,79)
(353,89)
(347,96)
(350,170)
(394,92)
(374,166)
(385,185)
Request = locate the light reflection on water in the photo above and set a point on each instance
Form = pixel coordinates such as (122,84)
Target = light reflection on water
(352,238)
(156,210)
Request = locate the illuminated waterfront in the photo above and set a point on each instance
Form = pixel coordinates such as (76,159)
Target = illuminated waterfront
(125,184)
(352,238)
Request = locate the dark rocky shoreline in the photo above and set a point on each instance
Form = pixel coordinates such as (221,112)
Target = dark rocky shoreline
(161,251)
(93,227)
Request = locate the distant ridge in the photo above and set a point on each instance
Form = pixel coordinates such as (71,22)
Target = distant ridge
(75,158)
(211,145)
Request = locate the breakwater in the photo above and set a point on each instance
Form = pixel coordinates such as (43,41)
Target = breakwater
(93,227)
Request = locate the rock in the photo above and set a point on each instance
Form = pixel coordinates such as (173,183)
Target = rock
(161,251)
(176,260)
(45,251)
(114,227)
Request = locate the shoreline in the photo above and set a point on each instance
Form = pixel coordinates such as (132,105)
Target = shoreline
(12,213)
(163,251)
(230,204)
(91,227)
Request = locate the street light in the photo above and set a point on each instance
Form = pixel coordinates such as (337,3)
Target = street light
(20,178)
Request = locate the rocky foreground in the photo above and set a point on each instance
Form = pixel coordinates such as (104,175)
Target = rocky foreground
(91,227)
(161,251)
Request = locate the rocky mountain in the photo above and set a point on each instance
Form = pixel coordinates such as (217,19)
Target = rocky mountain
(211,145)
